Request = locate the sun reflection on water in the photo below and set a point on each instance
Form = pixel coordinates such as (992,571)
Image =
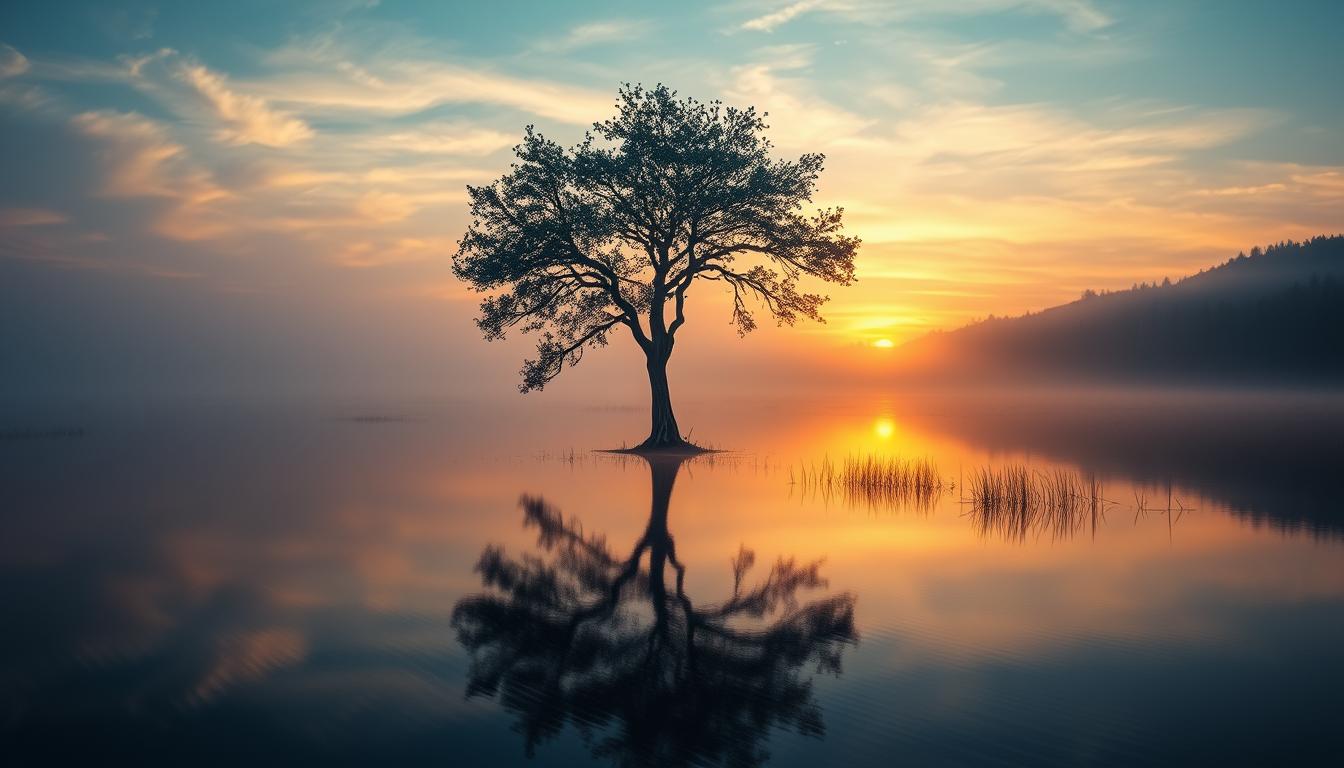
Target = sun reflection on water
(884,428)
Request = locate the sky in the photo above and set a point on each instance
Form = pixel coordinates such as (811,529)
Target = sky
(262,199)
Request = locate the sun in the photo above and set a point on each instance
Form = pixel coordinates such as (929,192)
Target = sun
(884,344)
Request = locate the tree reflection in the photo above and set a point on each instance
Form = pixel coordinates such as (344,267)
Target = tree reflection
(618,649)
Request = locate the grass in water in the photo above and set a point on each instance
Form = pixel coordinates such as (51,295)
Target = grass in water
(876,481)
(1016,502)
(1013,502)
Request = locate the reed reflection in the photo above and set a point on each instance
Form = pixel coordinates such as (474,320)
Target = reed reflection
(616,647)
(1015,503)
(1271,460)
(875,482)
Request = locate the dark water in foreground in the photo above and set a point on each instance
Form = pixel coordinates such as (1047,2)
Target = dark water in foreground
(468,585)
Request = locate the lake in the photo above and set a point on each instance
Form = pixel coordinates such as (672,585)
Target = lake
(1052,578)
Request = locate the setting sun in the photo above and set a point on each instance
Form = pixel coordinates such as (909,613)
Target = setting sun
(884,344)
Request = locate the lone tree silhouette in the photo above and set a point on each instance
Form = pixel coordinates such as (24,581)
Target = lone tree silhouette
(611,233)
(574,634)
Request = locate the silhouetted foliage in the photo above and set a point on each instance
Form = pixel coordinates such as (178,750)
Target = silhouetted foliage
(648,677)
(575,243)
(1276,315)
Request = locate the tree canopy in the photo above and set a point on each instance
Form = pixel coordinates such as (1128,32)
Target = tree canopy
(575,243)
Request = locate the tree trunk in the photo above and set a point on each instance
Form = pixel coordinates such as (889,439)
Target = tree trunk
(663,432)
(659,540)
(663,472)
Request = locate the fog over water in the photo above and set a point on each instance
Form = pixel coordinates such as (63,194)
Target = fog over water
(235,582)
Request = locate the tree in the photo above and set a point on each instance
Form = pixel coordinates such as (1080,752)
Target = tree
(574,634)
(610,235)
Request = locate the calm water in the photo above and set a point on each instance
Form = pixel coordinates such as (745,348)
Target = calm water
(468,584)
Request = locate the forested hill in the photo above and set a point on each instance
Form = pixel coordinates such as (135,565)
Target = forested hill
(1274,316)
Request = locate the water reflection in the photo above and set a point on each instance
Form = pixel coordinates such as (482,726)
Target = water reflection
(873,481)
(229,590)
(618,649)
(1271,460)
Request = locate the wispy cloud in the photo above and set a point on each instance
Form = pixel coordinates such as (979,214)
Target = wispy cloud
(776,83)
(192,90)
(1324,182)
(441,138)
(30,217)
(1081,15)
(12,63)
(385,207)
(245,119)
(321,77)
(367,253)
(995,136)
(140,160)
(1077,15)
(1258,189)
(767,22)
(597,33)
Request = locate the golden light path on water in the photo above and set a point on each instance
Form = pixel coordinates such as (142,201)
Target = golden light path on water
(359,534)
(1129,573)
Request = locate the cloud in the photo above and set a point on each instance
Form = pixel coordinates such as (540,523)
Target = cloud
(1270,194)
(12,63)
(1258,189)
(246,119)
(1080,15)
(452,138)
(797,116)
(369,253)
(1077,15)
(418,175)
(1326,183)
(322,78)
(596,33)
(196,93)
(997,152)
(323,189)
(952,70)
(769,21)
(385,207)
(1041,135)
(140,160)
(30,217)
(28,98)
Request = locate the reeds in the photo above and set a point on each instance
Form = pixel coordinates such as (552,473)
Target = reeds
(877,481)
(1016,502)
(1173,515)
(1012,502)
